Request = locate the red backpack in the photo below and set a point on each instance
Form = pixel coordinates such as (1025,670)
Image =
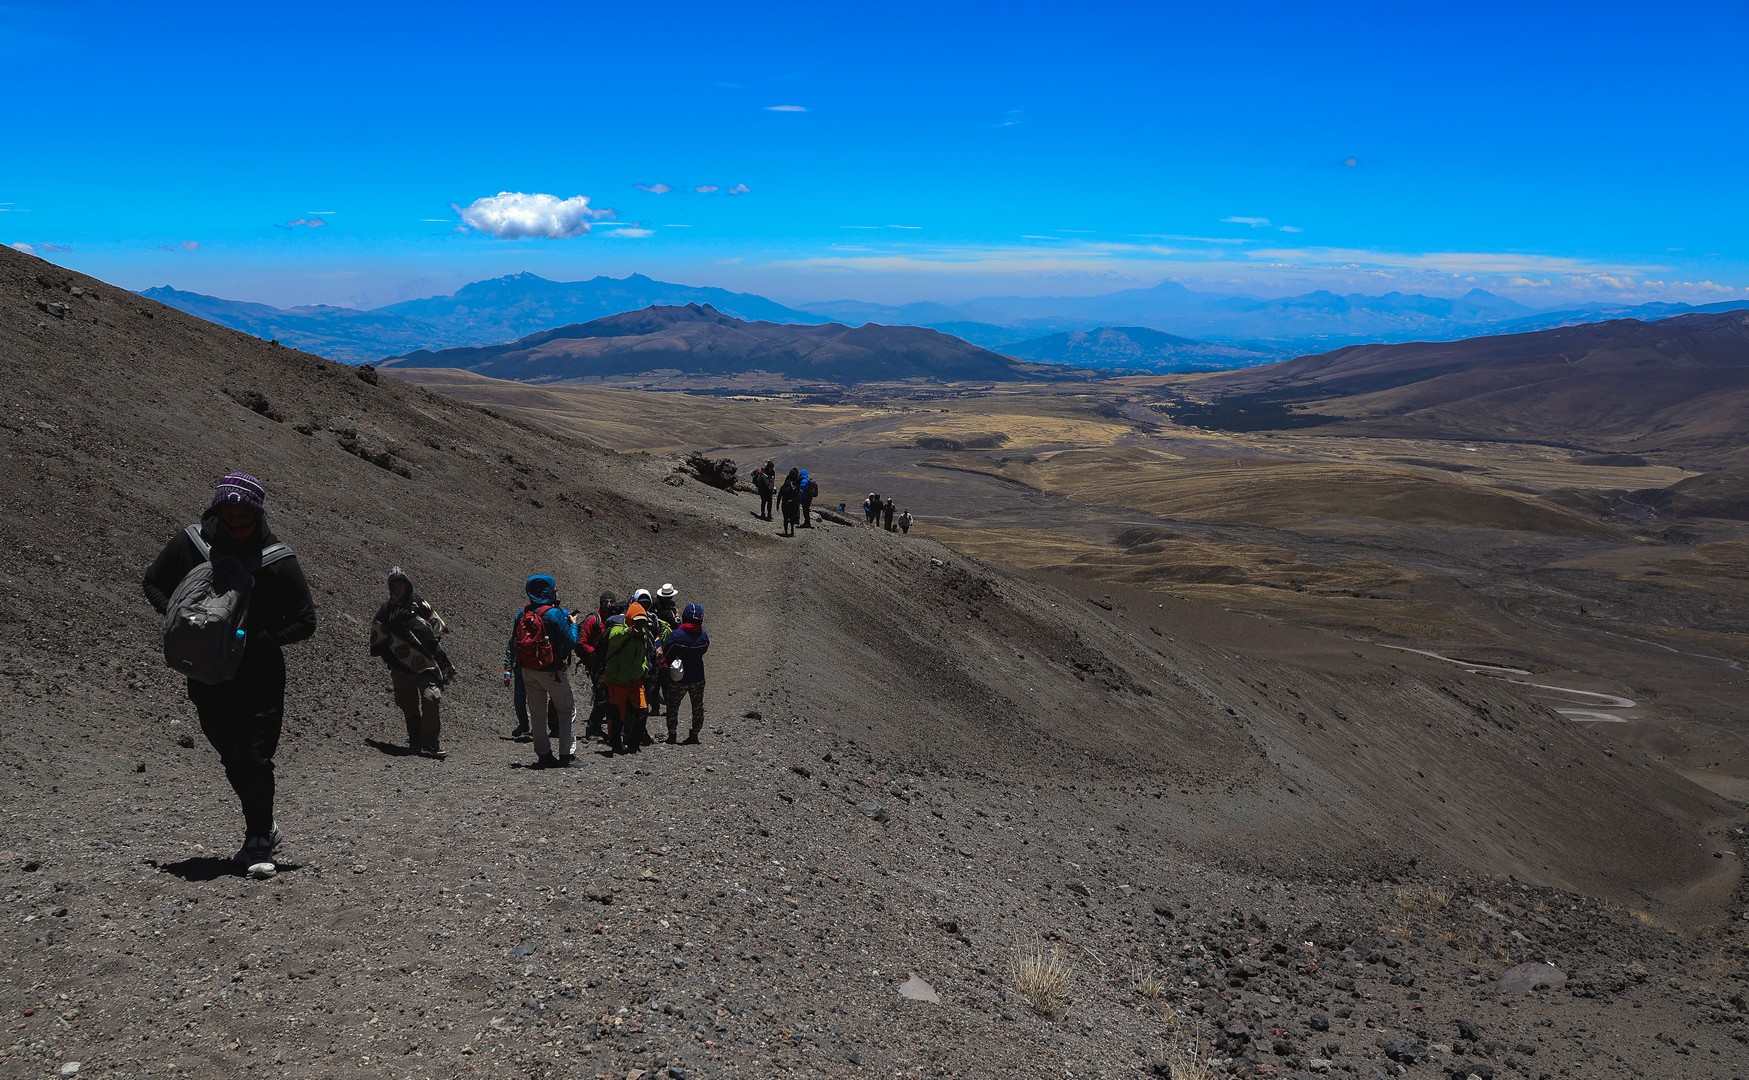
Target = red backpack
(534,649)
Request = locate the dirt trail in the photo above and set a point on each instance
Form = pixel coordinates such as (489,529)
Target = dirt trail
(949,762)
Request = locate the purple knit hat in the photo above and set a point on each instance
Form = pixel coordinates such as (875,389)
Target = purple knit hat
(240,489)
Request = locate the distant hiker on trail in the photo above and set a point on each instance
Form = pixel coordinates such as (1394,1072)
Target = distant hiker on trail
(810,490)
(687,644)
(626,664)
(765,482)
(905,520)
(888,510)
(405,632)
(232,566)
(592,646)
(789,502)
(545,636)
(871,507)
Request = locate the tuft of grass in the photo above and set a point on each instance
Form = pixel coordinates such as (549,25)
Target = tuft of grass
(1183,1059)
(1427,900)
(1041,977)
(1148,984)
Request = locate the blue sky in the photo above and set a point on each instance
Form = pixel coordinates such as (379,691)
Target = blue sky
(888,152)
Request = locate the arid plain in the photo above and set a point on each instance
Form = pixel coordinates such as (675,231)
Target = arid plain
(1570,566)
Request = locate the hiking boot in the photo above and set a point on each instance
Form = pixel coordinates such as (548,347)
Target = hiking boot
(522,734)
(546,761)
(435,753)
(565,760)
(258,851)
(690,740)
(673,738)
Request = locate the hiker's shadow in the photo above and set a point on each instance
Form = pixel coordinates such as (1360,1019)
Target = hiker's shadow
(209,868)
(389,748)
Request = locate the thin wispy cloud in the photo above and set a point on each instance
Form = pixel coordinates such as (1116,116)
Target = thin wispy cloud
(1351,162)
(740,189)
(707,189)
(186,245)
(859,226)
(786,108)
(303,223)
(54,247)
(907,227)
(677,226)
(20,245)
(322,213)
(1011,118)
(654,189)
(517,215)
(1254,222)
(1290,228)
(633,233)
(1034,236)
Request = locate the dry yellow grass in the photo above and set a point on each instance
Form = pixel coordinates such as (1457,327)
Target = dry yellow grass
(1041,977)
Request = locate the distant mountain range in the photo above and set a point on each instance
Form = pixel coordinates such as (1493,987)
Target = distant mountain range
(481,313)
(699,339)
(1135,347)
(508,308)
(1677,389)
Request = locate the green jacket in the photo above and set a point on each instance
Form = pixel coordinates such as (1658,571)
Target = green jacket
(627,657)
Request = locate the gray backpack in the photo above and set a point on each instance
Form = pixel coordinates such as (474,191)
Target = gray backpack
(203,626)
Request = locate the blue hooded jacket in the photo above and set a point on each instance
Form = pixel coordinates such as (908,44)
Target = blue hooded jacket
(543,589)
(688,644)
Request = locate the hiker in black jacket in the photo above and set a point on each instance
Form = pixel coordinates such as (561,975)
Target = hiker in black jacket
(241,716)
(888,510)
(765,482)
(789,502)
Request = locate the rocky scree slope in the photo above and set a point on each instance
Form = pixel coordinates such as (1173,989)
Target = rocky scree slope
(914,763)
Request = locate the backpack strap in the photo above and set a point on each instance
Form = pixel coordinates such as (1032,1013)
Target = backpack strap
(270,554)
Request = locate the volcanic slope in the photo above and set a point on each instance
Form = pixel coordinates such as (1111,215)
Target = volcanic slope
(699,339)
(913,765)
(1676,387)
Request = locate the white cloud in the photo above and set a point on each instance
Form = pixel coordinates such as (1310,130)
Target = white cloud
(322,213)
(1290,228)
(909,227)
(707,189)
(654,189)
(1350,162)
(516,215)
(20,245)
(304,223)
(1254,222)
(677,226)
(633,233)
(786,108)
(740,189)
(186,245)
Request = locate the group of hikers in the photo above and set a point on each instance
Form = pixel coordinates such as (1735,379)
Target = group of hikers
(795,501)
(795,496)
(234,596)
(879,512)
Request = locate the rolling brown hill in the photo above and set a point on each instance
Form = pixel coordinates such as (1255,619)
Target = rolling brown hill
(914,763)
(698,339)
(1677,389)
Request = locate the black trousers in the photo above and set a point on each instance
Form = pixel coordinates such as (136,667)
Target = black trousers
(765,505)
(241,719)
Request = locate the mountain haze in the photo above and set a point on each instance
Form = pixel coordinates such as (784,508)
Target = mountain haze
(1134,347)
(481,313)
